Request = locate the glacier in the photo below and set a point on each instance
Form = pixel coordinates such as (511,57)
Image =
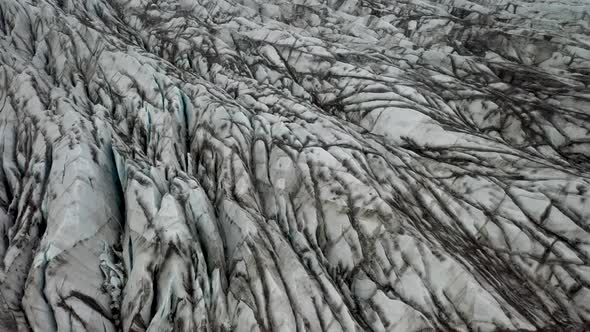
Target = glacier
(305,165)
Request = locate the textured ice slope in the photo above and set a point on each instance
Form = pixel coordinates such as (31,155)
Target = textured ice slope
(340,165)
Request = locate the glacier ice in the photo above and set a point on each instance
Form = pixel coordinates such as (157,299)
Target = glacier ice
(333,165)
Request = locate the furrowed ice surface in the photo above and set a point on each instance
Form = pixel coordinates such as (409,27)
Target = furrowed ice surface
(252,165)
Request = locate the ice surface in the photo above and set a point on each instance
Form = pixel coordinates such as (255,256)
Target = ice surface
(249,165)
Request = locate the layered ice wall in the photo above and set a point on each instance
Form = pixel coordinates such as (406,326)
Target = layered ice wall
(306,165)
